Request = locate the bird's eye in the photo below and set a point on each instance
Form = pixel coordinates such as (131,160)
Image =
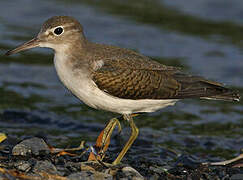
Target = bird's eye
(58,31)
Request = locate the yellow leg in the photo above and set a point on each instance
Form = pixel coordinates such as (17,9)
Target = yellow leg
(103,140)
(109,129)
(132,138)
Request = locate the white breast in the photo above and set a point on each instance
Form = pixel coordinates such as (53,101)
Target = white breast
(87,91)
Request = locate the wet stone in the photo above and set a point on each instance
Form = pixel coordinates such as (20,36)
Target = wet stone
(187,161)
(62,171)
(131,173)
(23,166)
(90,175)
(31,146)
(94,170)
(45,166)
(156,169)
(73,167)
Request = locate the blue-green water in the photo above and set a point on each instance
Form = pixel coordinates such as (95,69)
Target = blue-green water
(203,37)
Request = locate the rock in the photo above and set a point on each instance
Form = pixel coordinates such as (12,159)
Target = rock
(89,175)
(45,166)
(23,166)
(31,146)
(188,161)
(73,166)
(96,170)
(131,173)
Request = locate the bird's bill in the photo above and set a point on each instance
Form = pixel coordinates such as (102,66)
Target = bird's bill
(28,45)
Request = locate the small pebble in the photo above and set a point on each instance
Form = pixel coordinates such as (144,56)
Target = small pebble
(31,146)
(88,175)
(45,166)
(131,173)
(23,166)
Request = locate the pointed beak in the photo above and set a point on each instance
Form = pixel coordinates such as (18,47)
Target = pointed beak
(28,45)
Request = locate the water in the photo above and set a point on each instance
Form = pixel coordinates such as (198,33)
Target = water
(205,41)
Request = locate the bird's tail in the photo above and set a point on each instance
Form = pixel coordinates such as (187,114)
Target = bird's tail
(198,87)
(230,95)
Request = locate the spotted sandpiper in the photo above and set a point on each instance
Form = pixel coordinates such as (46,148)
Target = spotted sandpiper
(116,79)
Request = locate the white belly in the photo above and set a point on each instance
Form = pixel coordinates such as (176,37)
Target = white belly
(87,91)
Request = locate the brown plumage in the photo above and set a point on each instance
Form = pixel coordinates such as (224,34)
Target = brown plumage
(129,75)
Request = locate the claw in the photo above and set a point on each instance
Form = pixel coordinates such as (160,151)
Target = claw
(58,150)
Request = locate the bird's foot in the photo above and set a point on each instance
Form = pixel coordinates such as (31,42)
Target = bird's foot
(103,139)
(102,143)
(97,152)
(67,151)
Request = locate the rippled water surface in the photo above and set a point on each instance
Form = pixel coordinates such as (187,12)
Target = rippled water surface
(204,37)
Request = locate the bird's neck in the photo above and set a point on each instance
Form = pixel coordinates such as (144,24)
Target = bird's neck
(71,46)
(71,56)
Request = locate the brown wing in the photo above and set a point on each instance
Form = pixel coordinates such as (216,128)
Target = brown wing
(120,58)
(132,83)
(126,74)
